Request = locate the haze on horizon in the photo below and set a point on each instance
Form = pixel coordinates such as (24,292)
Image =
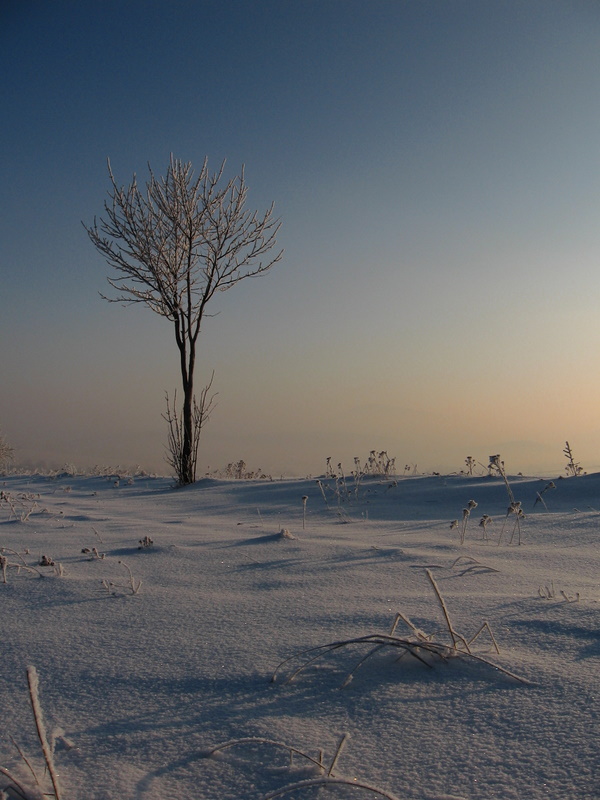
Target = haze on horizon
(436,166)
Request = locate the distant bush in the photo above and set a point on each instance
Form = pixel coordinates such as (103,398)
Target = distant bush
(6,452)
(240,472)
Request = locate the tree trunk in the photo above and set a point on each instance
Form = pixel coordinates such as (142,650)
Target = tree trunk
(187,454)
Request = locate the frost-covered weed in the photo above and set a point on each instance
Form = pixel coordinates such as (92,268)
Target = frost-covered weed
(421,646)
(6,452)
(133,586)
(573,468)
(19,564)
(470,464)
(483,523)
(239,471)
(548,592)
(326,774)
(15,788)
(21,505)
(539,495)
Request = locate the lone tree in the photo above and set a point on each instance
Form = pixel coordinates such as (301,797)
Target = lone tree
(174,245)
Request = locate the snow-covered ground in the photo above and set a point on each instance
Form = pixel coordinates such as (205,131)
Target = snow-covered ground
(141,686)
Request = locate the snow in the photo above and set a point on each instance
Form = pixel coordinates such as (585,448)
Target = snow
(142,686)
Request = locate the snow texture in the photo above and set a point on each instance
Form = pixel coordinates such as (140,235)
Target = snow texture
(140,682)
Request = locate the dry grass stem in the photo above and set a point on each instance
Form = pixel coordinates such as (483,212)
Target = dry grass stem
(26,761)
(5,564)
(260,740)
(468,564)
(456,637)
(421,647)
(327,778)
(328,782)
(17,788)
(134,585)
(33,682)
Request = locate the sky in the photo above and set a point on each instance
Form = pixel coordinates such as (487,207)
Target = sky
(436,168)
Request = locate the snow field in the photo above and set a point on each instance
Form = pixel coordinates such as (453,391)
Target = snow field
(143,685)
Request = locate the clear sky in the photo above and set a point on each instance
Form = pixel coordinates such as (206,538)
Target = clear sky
(436,166)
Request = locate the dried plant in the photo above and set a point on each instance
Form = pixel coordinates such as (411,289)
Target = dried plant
(496,466)
(93,551)
(321,486)
(178,457)
(549,593)
(570,598)
(6,452)
(98,535)
(15,788)
(483,523)
(516,510)
(539,495)
(327,778)
(47,750)
(467,564)
(21,505)
(420,646)
(133,586)
(238,470)
(19,565)
(338,486)
(380,464)
(573,468)
(284,533)
(465,518)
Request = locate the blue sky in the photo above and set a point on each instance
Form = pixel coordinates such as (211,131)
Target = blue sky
(436,166)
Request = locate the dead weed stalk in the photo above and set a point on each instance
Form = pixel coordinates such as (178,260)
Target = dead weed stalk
(421,646)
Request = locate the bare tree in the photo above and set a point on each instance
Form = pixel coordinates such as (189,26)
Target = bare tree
(6,451)
(173,247)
